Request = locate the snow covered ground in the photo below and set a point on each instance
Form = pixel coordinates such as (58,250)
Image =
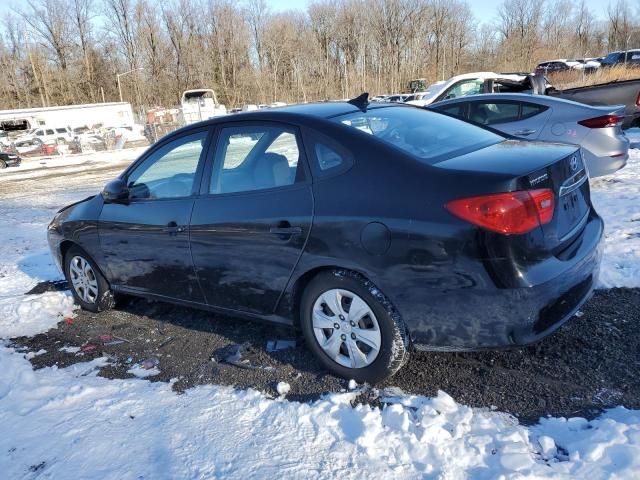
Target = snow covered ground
(68,423)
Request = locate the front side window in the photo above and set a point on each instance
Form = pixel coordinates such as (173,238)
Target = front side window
(252,158)
(49,132)
(427,135)
(169,171)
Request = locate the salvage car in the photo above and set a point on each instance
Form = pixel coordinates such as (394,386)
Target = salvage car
(536,117)
(374,228)
(9,159)
(551,67)
(34,147)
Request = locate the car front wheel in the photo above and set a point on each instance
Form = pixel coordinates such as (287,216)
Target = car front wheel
(88,286)
(352,328)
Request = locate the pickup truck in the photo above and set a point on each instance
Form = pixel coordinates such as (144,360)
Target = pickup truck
(624,92)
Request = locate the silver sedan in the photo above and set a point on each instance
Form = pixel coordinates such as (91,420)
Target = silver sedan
(597,129)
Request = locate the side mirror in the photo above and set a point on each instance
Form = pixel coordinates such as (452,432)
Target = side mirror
(115,191)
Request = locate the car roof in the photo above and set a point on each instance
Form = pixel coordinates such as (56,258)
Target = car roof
(317,110)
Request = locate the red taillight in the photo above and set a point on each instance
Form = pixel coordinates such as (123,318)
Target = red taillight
(509,213)
(638,100)
(602,122)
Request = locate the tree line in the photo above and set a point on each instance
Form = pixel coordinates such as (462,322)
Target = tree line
(59,52)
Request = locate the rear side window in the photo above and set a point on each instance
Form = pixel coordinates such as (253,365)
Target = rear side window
(61,130)
(426,135)
(327,157)
(530,110)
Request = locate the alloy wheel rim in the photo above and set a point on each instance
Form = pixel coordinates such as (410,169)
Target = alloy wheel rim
(83,279)
(346,328)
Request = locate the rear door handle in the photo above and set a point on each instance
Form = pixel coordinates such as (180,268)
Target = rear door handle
(285,228)
(526,131)
(173,227)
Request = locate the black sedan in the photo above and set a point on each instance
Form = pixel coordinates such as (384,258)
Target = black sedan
(374,228)
(8,159)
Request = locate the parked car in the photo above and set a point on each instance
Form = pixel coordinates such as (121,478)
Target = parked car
(625,92)
(9,159)
(35,147)
(47,134)
(461,86)
(393,226)
(589,65)
(630,58)
(550,67)
(597,130)
(396,98)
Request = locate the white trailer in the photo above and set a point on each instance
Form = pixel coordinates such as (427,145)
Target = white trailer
(115,114)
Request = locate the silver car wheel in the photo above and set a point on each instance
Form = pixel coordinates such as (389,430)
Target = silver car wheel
(83,279)
(346,328)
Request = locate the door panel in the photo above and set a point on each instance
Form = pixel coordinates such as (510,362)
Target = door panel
(250,227)
(146,247)
(245,246)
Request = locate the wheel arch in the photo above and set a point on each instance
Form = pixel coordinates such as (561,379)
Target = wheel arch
(303,280)
(64,247)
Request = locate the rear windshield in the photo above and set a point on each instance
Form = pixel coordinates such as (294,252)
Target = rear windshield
(429,136)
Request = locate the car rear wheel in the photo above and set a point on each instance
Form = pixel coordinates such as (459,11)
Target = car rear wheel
(88,286)
(352,328)
(3,164)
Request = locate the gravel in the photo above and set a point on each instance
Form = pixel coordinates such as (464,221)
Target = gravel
(589,364)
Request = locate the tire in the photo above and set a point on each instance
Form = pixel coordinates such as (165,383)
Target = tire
(355,356)
(91,291)
(3,164)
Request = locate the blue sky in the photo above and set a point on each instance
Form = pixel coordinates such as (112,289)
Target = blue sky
(485,10)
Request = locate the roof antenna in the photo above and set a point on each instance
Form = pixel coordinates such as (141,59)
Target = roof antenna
(361,101)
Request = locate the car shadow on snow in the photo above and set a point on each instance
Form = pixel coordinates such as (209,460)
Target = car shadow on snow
(588,365)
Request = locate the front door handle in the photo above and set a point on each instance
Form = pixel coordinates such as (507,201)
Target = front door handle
(173,227)
(525,131)
(285,228)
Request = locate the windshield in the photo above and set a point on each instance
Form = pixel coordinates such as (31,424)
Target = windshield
(429,136)
(434,90)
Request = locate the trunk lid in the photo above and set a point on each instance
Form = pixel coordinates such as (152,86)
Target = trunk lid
(516,166)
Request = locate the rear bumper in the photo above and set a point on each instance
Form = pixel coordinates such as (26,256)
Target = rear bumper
(486,316)
(605,154)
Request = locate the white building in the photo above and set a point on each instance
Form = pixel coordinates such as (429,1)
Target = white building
(115,114)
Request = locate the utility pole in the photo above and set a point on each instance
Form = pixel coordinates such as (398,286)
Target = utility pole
(118,75)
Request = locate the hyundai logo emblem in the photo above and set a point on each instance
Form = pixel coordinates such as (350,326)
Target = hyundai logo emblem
(574,163)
